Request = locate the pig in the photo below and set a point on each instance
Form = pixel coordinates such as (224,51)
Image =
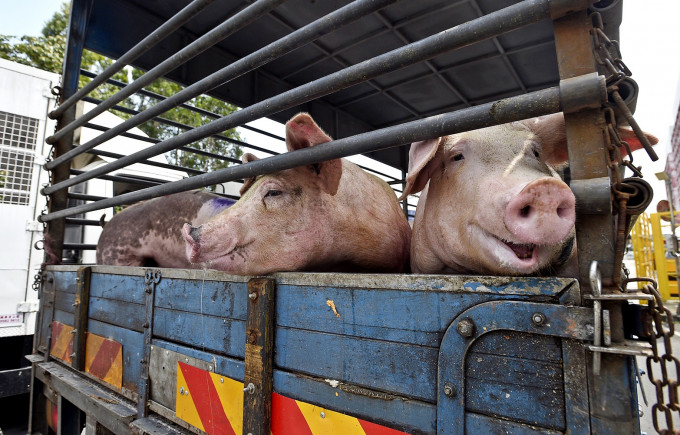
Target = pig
(149,233)
(330,216)
(492,202)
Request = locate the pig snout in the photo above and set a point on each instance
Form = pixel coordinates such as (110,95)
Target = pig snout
(192,237)
(542,213)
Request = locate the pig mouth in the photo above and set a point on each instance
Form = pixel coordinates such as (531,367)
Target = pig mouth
(523,251)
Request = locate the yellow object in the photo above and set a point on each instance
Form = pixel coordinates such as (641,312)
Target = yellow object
(649,251)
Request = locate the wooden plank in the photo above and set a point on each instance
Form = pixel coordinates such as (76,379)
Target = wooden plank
(127,315)
(517,372)
(220,299)
(411,416)
(221,335)
(118,287)
(406,370)
(111,411)
(520,345)
(257,401)
(482,424)
(155,426)
(81,306)
(132,350)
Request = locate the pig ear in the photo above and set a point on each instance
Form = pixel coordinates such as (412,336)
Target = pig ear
(247,157)
(419,172)
(552,134)
(303,132)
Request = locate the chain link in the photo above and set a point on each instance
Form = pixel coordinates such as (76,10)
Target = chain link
(38,278)
(608,56)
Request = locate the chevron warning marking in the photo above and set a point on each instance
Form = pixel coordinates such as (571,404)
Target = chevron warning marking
(214,404)
(103,356)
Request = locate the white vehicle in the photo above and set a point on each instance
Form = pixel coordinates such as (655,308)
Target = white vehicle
(25,100)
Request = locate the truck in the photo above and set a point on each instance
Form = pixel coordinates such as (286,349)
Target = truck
(153,350)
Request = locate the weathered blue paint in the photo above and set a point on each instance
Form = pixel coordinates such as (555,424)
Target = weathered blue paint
(560,321)
(389,348)
(482,424)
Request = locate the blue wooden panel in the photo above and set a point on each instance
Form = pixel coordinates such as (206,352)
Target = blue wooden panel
(64,301)
(132,343)
(221,335)
(63,317)
(221,299)
(117,287)
(399,368)
(520,345)
(408,415)
(65,281)
(482,424)
(124,314)
(418,317)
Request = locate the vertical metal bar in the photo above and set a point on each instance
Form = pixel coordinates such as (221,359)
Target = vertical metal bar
(259,357)
(80,11)
(151,279)
(595,233)
(81,306)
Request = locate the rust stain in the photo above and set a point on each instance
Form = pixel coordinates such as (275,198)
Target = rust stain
(331,304)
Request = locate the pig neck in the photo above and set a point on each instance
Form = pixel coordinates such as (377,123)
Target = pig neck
(425,243)
(369,224)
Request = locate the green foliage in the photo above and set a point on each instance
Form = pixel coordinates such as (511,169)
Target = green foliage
(47,53)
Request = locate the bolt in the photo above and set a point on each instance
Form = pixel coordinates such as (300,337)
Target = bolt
(449,390)
(323,414)
(250,389)
(145,325)
(252,296)
(147,289)
(142,361)
(209,368)
(466,328)
(221,380)
(538,319)
(181,390)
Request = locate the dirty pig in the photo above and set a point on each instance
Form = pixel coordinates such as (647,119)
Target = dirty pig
(492,202)
(329,216)
(149,233)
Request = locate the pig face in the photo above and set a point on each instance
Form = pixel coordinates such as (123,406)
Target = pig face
(305,218)
(492,202)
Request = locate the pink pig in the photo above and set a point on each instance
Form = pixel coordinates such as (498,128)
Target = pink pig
(491,202)
(331,216)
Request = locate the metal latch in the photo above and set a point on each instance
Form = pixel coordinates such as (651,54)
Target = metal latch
(34,226)
(602,338)
(28,307)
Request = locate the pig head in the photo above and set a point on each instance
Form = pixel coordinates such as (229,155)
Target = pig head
(330,216)
(492,202)
(149,233)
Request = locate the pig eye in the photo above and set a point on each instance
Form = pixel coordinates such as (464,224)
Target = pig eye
(457,157)
(273,192)
(536,154)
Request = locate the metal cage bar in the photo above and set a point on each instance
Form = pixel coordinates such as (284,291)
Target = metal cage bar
(534,104)
(303,36)
(142,47)
(231,25)
(496,23)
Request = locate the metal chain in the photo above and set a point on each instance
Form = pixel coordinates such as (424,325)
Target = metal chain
(608,56)
(38,278)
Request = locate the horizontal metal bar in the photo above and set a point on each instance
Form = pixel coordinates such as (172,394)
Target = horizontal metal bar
(301,37)
(78,221)
(496,23)
(148,162)
(184,148)
(85,197)
(231,25)
(530,105)
(121,179)
(142,47)
(198,110)
(80,246)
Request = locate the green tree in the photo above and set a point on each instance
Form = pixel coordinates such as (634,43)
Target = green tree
(47,52)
